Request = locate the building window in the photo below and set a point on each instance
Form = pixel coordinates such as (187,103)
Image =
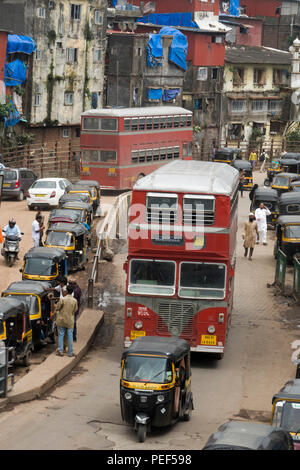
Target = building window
(238,76)
(217,39)
(77,131)
(274,105)
(41,12)
(259,105)
(98,17)
(215,74)
(66,132)
(75,11)
(37,99)
(97,55)
(275,127)
(236,131)
(259,76)
(238,106)
(69,98)
(72,54)
(38,54)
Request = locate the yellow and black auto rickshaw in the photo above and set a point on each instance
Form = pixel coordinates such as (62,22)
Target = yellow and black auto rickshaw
(227,155)
(15,330)
(79,188)
(74,239)
(241,165)
(44,264)
(287,236)
(96,191)
(286,410)
(40,307)
(270,198)
(155,384)
(282,182)
(68,216)
(295,186)
(289,203)
(84,208)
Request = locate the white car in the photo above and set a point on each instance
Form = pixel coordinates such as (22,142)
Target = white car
(46,193)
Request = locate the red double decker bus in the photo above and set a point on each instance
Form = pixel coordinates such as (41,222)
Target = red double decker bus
(119,146)
(181,255)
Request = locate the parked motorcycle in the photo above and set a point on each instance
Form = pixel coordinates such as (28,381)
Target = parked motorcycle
(10,249)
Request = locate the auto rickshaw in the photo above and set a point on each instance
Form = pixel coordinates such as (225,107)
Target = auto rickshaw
(71,197)
(243,435)
(290,166)
(270,199)
(15,330)
(85,208)
(227,155)
(282,182)
(155,384)
(287,236)
(96,191)
(289,203)
(81,189)
(295,186)
(74,239)
(44,264)
(272,170)
(40,307)
(286,410)
(246,166)
(65,215)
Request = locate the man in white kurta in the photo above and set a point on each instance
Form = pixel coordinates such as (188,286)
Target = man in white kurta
(261,214)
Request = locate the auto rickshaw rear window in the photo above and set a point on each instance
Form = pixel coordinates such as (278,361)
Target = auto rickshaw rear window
(147,369)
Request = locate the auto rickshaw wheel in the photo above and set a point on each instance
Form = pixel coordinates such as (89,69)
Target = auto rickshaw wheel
(27,358)
(141,432)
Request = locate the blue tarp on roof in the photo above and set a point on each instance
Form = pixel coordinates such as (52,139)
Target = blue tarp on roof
(155,93)
(16,43)
(15,73)
(177,52)
(234,8)
(169,19)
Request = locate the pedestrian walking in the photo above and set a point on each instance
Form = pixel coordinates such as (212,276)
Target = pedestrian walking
(241,183)
(264,158)
(261,214)
(253,159)
(251,194)
(41,223)
(36,230)
(250,233)
(77,295)
(65,311)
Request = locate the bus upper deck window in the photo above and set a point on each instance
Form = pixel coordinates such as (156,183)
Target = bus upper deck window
(108,124)
(149,155)
(149,123)
(108,156)
(170,121)
(134,156)
(155,154)
(142,124)
(134,124)
(163,153)
(163,122)
(156,123)
(169,153)
(127,124)
(176,152)
(91,124)
(182,121)
(142,156)
(94,155)
(176,121)
(189,121)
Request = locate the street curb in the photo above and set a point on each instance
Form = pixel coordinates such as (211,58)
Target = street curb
(43,377)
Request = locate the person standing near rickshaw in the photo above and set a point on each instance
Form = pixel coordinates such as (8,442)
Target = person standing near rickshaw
(250,234)
(261,214)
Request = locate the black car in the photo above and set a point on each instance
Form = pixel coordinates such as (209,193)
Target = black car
(16,182)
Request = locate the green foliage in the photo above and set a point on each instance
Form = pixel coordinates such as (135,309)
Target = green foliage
(51,36)
(5,110)
(293,136)
(196,129)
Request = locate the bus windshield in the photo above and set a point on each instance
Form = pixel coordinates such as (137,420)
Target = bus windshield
(202,280)
(152,277)
(147,369)
(40,267)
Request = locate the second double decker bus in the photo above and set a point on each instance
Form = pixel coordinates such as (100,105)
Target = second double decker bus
(181,255)
(119,146)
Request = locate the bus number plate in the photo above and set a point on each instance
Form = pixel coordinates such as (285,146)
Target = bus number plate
(136,334)
(209,340)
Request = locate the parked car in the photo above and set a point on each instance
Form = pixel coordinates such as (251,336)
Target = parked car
(46,192)
(16,182)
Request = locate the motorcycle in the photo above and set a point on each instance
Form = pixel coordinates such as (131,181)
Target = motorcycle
(10,249)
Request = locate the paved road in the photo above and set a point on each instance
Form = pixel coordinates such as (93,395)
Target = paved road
(84,412)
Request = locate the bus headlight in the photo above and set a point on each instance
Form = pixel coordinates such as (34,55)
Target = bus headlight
(138,325)
(211,329)
(128,396)
(160,398)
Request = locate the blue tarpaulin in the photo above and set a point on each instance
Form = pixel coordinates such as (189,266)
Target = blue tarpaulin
(155,93)
(234,8)
(169,19)
(15,73)
(177,52)
(16,43)
(170,95)
(13,118)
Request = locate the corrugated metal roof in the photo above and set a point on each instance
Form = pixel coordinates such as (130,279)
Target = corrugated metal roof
(239,54)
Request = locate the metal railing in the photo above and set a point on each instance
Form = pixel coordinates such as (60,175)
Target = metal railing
(115,220)
(296,278)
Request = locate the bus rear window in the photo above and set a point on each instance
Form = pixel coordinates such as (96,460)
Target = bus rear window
(161,208)
(198,210)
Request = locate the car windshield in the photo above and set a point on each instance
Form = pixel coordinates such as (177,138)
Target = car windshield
(31,301)
(152,277)
(10,175)
(202,280)
(290,416)
(40,267)
(59,239)
(147,369)
(44,184)
(292,231)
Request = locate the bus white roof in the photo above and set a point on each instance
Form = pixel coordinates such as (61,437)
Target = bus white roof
(137,112)
(190,176)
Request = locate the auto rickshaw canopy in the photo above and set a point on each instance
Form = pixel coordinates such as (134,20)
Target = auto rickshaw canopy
(172,348)
(248,435)
(28,287)
(290,391)
(44,252)
(265,194)
(11,307)
(76,204)
(76,229)
(72,197)
(91,183)
(290,155)
(242,165)
(64,215)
